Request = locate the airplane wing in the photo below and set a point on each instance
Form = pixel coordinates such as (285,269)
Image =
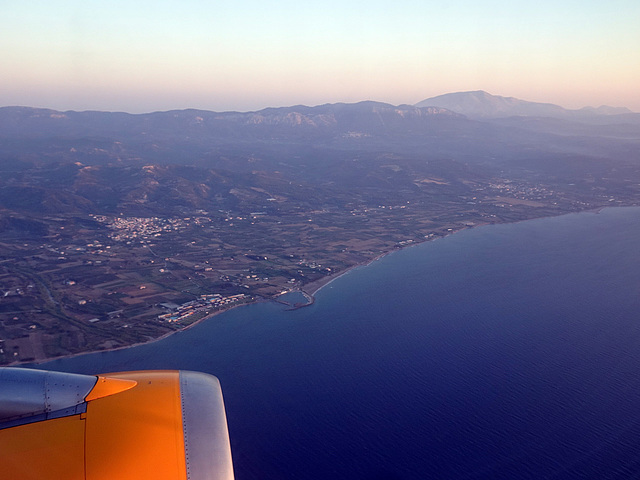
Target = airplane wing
(131,425)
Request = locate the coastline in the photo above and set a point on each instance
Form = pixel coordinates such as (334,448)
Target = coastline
(310,290)
(146,342)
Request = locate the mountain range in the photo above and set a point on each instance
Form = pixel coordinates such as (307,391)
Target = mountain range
(469,126)
(351,120)
(52,160)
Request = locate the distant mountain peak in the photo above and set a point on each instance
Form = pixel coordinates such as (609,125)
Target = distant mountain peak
(606,110)
(482,105)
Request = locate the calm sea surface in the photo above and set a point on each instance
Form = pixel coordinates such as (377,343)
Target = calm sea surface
(502,352)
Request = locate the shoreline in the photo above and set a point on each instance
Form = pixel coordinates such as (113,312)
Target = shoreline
(310,290)
(146,342)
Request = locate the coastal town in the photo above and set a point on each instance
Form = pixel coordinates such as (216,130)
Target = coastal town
(195,309)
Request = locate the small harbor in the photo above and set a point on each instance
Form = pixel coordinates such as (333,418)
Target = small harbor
(296,299)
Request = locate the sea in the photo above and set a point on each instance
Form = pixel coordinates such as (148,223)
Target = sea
(507,351)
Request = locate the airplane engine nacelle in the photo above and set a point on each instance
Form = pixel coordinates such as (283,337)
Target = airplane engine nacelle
(129,425)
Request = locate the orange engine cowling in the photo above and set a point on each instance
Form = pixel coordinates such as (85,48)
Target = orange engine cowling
(129,425)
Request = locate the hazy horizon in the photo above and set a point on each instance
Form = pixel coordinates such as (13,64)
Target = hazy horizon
(268,106)
(248,55)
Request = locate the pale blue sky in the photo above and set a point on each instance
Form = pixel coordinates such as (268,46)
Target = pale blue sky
(141,55)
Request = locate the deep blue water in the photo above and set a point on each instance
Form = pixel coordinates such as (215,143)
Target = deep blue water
(502,352)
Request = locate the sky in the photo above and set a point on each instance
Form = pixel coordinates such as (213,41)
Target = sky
(244,55)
